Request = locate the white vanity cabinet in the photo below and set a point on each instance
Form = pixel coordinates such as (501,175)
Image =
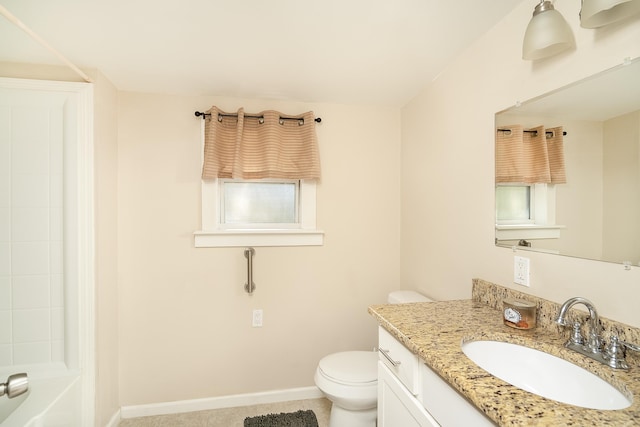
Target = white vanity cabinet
(399,384)
(446,405)
(410,394)
(396,406)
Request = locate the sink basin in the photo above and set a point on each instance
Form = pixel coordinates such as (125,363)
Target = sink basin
(545,375)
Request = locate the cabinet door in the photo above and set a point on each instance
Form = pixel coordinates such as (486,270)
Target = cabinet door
(396,406)
(448,406)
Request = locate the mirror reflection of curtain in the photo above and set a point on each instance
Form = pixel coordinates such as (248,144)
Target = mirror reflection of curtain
(530,156)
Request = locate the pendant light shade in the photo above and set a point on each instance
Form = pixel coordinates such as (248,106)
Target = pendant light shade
(547,33)
(596,13)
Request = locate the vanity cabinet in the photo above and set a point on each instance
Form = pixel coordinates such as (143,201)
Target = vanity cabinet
(398,407)
(399,385)
(446,405)
(410,394)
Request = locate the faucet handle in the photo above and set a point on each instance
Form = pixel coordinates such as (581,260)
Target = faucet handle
(576,335)
(630,346)
(614,355)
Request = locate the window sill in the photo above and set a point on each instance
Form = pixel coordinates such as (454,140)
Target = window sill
(528,231)
(235,238)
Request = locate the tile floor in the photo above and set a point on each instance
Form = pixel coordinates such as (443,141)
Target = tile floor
(232,417)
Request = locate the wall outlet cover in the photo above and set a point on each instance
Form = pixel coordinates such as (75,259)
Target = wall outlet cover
(521,270)
(257,318)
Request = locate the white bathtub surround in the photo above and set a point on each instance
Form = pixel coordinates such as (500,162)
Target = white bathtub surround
(52,389)
(47,276)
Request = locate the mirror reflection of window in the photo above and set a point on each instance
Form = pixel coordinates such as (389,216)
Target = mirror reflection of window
(513,204)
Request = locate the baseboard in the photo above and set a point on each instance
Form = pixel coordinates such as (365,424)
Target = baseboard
(232,401)
(115,420)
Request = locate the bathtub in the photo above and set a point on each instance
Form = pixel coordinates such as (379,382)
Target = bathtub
(52,400)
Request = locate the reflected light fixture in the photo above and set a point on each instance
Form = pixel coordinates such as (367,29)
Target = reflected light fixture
(596,13)
(547,33)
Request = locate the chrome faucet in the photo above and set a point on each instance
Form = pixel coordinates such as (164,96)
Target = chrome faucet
(16,385)
(612,355)
(594,342)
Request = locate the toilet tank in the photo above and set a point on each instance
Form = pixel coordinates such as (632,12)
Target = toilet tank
(399,297)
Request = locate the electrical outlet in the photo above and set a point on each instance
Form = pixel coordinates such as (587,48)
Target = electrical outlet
(521,270)
(257,319)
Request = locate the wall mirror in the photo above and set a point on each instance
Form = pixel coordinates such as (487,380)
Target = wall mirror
(596,213)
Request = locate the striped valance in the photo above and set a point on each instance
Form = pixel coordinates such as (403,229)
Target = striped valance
(256,146)
(530,156)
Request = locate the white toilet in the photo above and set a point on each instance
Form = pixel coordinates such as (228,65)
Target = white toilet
(349,379)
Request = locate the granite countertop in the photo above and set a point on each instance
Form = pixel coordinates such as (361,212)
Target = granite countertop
(435,330)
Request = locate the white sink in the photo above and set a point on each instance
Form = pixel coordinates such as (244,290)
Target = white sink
(545,375)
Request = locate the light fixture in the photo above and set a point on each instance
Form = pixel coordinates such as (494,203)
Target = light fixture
(547,33)
(596,13)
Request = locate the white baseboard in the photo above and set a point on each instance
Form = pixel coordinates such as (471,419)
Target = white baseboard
(232,401)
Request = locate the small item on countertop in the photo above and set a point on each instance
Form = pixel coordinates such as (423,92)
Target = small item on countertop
(519,314)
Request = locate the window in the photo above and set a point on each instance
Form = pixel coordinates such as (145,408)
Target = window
(259,204)
(259,180)
(263,212)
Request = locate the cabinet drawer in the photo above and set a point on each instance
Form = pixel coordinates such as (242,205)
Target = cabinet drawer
(405,364)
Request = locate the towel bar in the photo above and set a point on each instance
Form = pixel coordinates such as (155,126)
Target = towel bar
(249,286)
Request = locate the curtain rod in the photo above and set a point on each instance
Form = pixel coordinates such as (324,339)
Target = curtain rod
(549,133)
(200,113)
(18,23)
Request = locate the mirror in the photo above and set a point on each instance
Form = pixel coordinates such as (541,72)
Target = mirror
(596,214)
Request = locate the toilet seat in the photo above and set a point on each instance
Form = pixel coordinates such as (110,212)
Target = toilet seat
(351,368)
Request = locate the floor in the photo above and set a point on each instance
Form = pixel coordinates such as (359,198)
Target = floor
(232,417)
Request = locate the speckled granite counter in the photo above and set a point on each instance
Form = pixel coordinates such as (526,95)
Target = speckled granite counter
(434,331)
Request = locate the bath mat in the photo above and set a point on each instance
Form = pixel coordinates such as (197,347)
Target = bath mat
(293,419)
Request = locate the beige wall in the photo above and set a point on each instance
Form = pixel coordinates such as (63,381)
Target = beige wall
(106,292)
(448,168)
(185,320)
(40,72)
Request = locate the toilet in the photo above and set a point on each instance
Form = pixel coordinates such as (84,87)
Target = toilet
(349,379)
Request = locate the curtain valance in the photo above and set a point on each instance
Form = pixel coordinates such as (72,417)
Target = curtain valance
(256,146)
(530,156)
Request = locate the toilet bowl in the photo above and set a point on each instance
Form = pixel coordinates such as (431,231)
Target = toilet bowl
(349,379)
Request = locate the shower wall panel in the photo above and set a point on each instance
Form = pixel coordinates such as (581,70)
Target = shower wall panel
(31,228)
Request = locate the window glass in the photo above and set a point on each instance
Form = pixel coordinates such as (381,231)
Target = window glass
(513,203)
(259,202)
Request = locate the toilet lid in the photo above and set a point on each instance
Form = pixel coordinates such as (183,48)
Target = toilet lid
(351,366)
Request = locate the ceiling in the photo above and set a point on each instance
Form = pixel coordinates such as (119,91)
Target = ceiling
(340,51)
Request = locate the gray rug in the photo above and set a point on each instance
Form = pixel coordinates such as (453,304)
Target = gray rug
(293,419)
